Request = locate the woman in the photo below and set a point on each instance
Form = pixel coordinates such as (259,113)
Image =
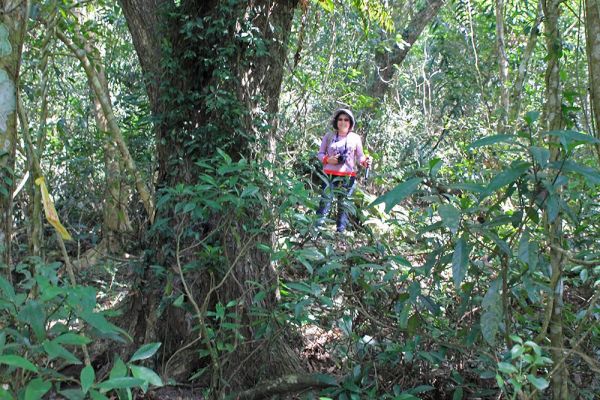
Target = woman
(341,151)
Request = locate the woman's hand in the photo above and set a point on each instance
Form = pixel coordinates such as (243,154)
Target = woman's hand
(333,160)
(367,162)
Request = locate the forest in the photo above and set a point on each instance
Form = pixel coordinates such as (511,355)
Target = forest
(161,200)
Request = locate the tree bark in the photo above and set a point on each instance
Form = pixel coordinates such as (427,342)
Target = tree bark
(104,99)
(502,67)
(592,29)
(552,120)
(190,129)
(13,25)
(386,61)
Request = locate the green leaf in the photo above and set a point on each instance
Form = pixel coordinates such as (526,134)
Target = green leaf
(97,395)
(507,368)
(397,194)
(18,361)
(450,217)
(539,383)
(99,322)
(119,369)
(146,374)
(489,140)
(7,289)
(72,394)
(87,378)
(33,314)
(591,175)
(502,245)
(531,117)
(5,394)
(55,350)
(36,389)
(72,339)
(310,253)
(144,352)
(491,317)
(121,383)
(552,207)
(458,393)
(568,137)
(540,155)
(460,262)
(524,247)
(507,177)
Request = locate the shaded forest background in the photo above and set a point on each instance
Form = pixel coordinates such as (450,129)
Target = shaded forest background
(158,183)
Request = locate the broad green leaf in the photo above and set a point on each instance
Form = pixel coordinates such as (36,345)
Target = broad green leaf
(435,165)
(326,379)
(507,368)
(33,314)
(146,374)
(507,177)
(72,339)
(99,322)
(55,350)
(310,253)
(146,351)
(458,393)
(489,140)
(36,389)
(72,394)
(540,155)
(397,194)
(97,395)
(119,369)
(7,289)
(492,312)
(502,245)
(87,378)
(120,383)
(539,383)
(450,217)
(299,286)
(460,262)
(5,394)
(552,207)
(531,117)
(591,175)
(406,396)
(18,361)
(572,137)
(524,247)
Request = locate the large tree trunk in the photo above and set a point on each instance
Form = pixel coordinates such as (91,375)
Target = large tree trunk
(592,29)
(226,65)
(13,24)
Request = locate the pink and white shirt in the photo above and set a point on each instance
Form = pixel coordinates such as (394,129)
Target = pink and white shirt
(332,144)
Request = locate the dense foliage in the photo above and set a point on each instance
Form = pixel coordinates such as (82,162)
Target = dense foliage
(474,240)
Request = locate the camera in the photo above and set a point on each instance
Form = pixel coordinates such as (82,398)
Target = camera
(341,157)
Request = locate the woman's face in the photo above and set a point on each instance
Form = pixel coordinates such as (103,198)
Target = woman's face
(343,123)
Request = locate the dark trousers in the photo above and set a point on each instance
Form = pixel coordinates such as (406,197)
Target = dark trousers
(342,188)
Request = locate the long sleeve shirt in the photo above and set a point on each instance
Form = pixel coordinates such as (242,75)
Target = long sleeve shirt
(351,144)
